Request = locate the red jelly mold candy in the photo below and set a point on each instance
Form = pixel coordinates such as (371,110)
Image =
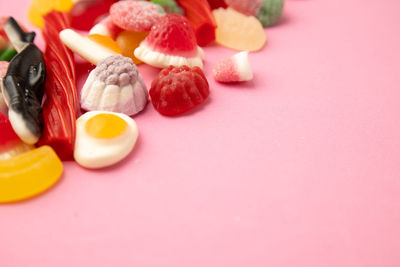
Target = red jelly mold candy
(178,89)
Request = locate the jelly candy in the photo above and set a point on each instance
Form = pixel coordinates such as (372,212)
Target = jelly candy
(106,41)
(177,90)
(233,69)
(270,12)
(29,174)
(135,16)
(128,41)
(23,85)
(238,31)
(171,41)
(115,85)
(198,12)
(39,8)
(104,138)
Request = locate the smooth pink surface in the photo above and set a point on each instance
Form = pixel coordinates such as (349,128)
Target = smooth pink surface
(300,167)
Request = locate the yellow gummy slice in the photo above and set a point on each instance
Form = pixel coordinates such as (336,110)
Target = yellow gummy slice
(129,41)
(238,31)
(106,41)
(29,174)
(39,8)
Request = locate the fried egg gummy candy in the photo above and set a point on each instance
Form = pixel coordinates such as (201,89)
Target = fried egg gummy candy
(115,85)
(104,138)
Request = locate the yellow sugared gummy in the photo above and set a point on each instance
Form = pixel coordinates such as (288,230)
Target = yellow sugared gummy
(39,8)
(29,174)
(105,126)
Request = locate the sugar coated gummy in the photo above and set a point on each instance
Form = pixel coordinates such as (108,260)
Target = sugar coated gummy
(29,174)
(238,31)
(171,41)
(234,69)
(270,12)
(135,15)
(115,85)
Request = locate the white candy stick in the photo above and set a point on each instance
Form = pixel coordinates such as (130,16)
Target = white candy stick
(83,46)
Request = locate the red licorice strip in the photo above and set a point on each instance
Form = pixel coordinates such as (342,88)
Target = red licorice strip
(198,12)
(61,103)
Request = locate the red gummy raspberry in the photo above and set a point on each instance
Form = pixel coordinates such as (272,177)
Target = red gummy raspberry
(178,89)
(173,35)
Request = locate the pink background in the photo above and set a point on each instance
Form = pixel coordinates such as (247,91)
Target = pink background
(300,167)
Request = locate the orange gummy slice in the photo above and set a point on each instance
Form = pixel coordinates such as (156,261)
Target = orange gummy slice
(29,174)
(129,41)
(238,31)
(106,41)
(40,8)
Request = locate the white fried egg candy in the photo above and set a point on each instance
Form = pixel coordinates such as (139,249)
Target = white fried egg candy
(104,138)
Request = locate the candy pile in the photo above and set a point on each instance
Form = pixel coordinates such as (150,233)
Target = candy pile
(40,105)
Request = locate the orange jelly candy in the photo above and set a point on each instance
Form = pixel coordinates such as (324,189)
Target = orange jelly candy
(29,174)
(128,41)
(106,41)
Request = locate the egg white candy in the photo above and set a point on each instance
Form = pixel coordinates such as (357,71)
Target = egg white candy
(92,152)
(83,46)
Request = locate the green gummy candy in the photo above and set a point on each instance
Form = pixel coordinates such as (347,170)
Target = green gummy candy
(170,6)
(270,12)
(8,54)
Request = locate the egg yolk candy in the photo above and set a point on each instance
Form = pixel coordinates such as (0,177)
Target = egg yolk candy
(29,174)
(104,138)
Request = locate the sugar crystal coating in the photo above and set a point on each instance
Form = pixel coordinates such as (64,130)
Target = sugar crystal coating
(115,85)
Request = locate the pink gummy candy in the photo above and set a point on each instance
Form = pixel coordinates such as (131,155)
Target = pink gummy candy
(135,16)
(233,69)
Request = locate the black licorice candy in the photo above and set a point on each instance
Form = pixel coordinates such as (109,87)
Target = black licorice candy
(23,84)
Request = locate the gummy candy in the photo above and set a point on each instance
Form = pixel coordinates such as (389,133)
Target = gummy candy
(106,41)
(177,90)
(233,69)
(115,85)
(270,12)
(28,174)
(135,16)
(128,41)
(39,8)
(198,12)
(23,84)
(171,41)
(104,138)
(238,31)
